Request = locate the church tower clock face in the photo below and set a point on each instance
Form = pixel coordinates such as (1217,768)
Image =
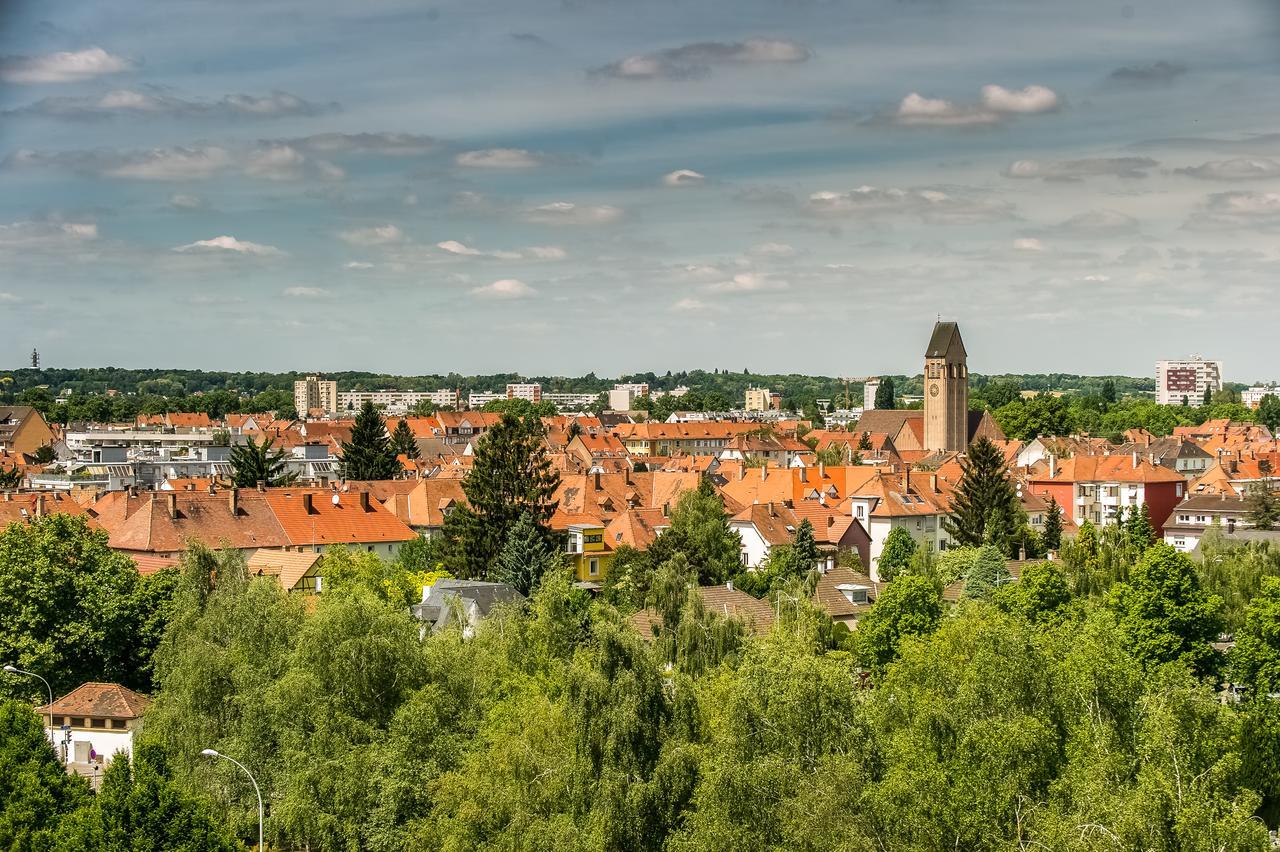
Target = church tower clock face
(933,389)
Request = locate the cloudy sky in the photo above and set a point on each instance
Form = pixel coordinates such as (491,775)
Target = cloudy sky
(564,186)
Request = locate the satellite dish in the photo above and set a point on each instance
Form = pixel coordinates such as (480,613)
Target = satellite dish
(336,499)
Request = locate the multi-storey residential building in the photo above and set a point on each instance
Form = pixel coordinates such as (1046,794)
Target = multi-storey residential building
(1199,512)
(570,401)
(396,401)
(869,388)
(315,393)
(757,399)
(1179,380)
(479,399)
(529,391)
(1095,488)
(624,395)
(1252,397)
(22,429)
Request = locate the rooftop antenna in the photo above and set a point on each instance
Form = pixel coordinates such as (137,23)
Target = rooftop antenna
(35,360)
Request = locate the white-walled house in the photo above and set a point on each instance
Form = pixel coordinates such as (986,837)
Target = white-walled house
(92,724)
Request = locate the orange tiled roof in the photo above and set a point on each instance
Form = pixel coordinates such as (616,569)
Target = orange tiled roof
(345,520)
(1115,468)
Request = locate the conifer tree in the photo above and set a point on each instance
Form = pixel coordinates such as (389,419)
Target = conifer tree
(253,462)
(886,396)
(369,454)
(1053,525)
(1208,396)
(511,476)
(804,548)
(403,441)
(525,557)
(1263,510)
(987,574)
(1140,531)
(983,497)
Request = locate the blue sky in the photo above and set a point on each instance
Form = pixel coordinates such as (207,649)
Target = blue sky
(564,186)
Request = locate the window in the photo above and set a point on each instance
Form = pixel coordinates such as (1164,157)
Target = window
(97,723)
(593,568)
(118,724)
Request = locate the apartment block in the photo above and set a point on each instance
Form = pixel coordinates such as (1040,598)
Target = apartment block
(1179,380)
(315,393)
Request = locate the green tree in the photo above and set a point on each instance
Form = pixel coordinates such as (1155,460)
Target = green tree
(524,558)
(1254,662)
(1139,529)
(987,574)
(369,454)
(1208,397)
(1040,595)
(253,462)
(1269,412)
(886,396)
(403,442)
(511,477)
(1108,391)
(700,531)
(1263,508)
(35,789)
(984,497)
(11,478)
(72,609)
(1053,525)
(909,606)
(804,547)
(895,556)
(1164,613)
(139,808)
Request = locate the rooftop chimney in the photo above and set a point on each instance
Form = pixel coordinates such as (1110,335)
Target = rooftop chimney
(364,500)
(1135,459)
(933,482)
(262,485)
(173,504)
(597,480)
(233,501)
(39,505)
(822,471)
(764,470)
(306,503)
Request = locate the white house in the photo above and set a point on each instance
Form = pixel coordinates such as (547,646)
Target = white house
(92,724)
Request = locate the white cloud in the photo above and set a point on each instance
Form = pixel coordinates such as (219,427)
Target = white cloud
(231,244)
(929,205)
(1096,278)
(996,103)
(306,292)
(54,234)
(546,253)
(1241,168)
(1075,170)
(1027,101)
(917,110)
(63,67)
(358,264)
(130,102)
(186,201)
(455,247)
(1098,223)
(172,164)
(568,213)
(1240,209)
(9,299)
(379,235)
(1028,244)
(747,282)
(692,61)
(532,253)
(276,162)
(683,177)
(500,158)
(689,304)
(507,288)
(773,250)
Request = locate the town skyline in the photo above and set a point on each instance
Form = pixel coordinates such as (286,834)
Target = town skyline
(392,185)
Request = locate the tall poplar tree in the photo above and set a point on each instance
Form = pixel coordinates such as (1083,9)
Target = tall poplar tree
(369,454)
(985,496)
(886,396)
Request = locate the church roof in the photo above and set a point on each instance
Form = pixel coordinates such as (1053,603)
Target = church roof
(940,342)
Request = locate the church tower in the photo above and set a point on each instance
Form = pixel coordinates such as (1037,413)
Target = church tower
(946,390)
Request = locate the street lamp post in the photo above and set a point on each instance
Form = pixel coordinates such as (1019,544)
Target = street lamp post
(208,752)
(16,670)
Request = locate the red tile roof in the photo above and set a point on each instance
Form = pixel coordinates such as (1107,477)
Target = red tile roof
(102,700)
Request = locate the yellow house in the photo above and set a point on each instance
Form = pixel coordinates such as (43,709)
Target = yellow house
(588,552)
(22,429)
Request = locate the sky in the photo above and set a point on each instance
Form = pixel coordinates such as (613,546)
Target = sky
(612,186)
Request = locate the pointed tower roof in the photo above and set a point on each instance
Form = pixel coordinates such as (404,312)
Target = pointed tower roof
(940,342)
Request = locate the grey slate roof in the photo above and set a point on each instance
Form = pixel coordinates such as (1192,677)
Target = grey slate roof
(940,342)
(478,599)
